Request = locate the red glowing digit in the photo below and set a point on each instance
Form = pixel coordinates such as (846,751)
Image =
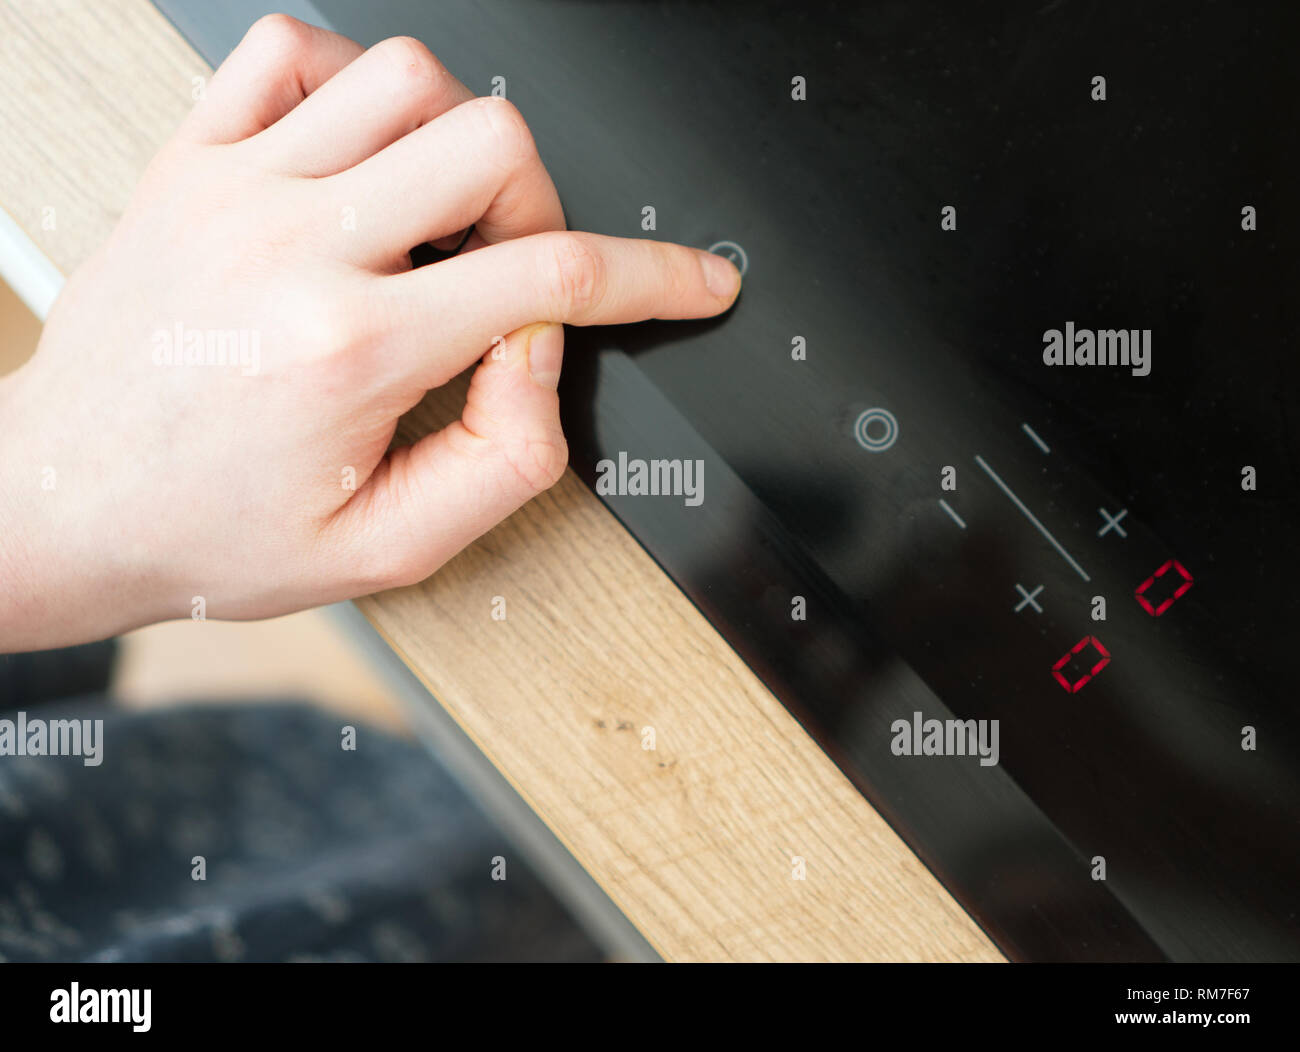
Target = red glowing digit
(1181,590)
(1074,688)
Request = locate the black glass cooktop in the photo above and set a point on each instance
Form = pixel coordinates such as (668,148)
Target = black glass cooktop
(993,467)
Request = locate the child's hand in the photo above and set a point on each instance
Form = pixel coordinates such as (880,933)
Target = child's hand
(273,231)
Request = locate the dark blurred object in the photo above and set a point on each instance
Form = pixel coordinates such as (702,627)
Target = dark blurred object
(310,851)
(46,675)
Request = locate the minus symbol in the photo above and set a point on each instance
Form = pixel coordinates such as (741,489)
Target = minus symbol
(1034,435)
(951,514)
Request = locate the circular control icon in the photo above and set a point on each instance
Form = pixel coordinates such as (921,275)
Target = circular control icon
(876,430)
(732,251)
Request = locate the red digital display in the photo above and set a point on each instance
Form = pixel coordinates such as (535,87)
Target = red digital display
(1157,610)
(1083,644)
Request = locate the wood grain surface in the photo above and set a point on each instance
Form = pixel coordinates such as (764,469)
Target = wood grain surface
(697,840)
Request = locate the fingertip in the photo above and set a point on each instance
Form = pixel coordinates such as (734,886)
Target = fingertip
(545,354)
(721,278)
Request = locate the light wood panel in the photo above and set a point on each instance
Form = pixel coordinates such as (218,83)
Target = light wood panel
(695,840)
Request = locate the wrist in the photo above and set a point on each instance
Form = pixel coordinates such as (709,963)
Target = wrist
(55,590)
(21,605)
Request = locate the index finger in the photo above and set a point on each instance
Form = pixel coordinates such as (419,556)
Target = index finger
(558,276)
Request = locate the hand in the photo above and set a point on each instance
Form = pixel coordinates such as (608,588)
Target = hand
(272,232)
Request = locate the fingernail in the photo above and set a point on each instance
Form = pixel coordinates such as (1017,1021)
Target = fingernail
(546,354)
(720,275)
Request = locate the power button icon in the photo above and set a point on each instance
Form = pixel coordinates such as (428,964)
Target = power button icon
(732,251)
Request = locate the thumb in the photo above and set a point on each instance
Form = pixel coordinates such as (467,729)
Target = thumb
(426,502)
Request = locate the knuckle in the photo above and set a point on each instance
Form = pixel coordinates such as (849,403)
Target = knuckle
(281,35)
(507,128)
(678,274)
(577,272)
(556,462)
(540,461)
(409,60)
(333,330)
